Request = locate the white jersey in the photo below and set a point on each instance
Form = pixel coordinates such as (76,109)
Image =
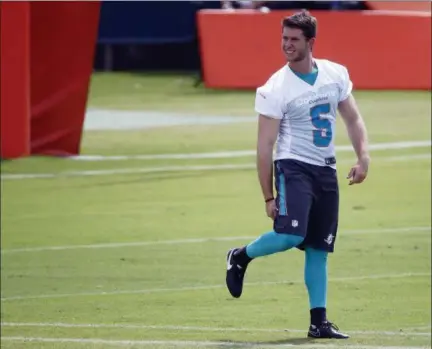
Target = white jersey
(307,112)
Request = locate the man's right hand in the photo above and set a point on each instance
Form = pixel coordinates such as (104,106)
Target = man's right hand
(271,209)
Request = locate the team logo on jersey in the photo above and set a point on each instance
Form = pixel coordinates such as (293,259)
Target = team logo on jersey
(315,98)
(294,223)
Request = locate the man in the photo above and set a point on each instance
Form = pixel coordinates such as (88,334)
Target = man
(297,110)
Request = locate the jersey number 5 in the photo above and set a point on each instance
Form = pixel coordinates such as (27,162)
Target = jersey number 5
(322,136)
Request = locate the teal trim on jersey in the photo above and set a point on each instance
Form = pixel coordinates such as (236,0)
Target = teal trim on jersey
(309,78)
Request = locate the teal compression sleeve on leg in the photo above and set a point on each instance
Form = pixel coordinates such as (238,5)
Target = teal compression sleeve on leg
(272,242)
(316,277)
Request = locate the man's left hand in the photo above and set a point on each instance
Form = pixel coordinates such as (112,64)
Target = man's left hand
(358,172)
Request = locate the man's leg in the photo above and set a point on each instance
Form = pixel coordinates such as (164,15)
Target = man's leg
(293,201)
(315,275)
(316,284)
(319,242)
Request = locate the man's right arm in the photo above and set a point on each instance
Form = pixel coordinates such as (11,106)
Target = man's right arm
(268,129)
(268,107)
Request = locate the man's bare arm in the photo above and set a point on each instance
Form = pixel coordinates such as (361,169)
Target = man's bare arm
(355,126)
(268,129)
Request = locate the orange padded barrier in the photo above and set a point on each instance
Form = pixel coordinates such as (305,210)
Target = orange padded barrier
(63,38)
(15,75)
(47,50)
(241,49)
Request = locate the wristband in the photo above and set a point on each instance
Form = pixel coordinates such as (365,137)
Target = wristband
(269,199)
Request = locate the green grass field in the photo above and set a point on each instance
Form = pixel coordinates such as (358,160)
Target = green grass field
(137,260)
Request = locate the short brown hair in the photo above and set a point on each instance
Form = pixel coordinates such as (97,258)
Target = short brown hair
(304,21)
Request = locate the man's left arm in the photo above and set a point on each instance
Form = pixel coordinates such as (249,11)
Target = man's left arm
(358,134)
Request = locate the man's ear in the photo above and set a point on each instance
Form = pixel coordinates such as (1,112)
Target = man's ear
(311,43)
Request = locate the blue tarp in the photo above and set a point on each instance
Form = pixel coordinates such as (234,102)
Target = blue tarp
(147,22)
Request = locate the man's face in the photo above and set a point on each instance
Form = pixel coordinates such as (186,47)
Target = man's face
(294,44)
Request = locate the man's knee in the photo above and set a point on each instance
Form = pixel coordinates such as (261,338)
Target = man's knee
(287,241)
(313,254)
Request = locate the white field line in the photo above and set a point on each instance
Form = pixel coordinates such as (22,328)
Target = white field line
(186,168)
(238,153)
(206,287)
(199,328)
(199,344)
(198,240)
(119,171)
(426,327)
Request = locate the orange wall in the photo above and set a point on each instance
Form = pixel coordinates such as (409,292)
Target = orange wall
(382,51)
(400,5)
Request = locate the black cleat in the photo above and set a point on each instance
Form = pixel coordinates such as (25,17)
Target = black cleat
(326,330)
(234,275)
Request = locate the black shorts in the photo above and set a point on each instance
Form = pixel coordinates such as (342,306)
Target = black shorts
(308,203)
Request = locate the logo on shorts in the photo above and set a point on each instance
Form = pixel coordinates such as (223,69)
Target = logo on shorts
(294,223)
(329,239)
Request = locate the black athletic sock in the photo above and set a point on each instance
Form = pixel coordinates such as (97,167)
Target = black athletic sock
(241,257)
(318,316)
